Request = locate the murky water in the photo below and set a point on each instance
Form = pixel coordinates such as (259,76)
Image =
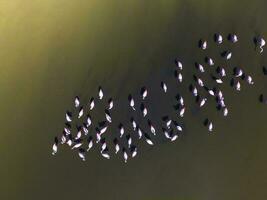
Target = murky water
(54,50)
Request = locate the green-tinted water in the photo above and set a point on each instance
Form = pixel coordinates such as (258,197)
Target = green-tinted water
(54,50)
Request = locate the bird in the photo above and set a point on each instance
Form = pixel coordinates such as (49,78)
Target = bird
(63,138)
(121,129)
(55,146)
(108,116)
(140,133)
(148,139)
(152,129)
(133,150)
(200,67)
(202,102)
(90,143)
(144,110)
(92,103)
(221,71)
(80,113)
(69,140)
(238,72)
(211,92)
(125,155)
(178,127)
(168,124)
(81,154)
(173,136)
(200,82)
(85,130)
(88,121)
(209,61)
(233,38)
(210,126)
(237,86)
(144,92)
(182,111)
(76,102)
(67,130)
(194,91)
(68,116)
(178,64)
(219,94)
(225,111)
(218,38)
(77,144)
(98,137)
(105,153)
(203,44)
(131,101)
(103,130)
(164,86)
(79,134)
(110,103)
(260,42)
(180,77)
(100,93)
(181,100)
(117,146)
(249,80)
(166,133)
(129,140)
(227,55)
(103,146)
(219,81)
(133,123)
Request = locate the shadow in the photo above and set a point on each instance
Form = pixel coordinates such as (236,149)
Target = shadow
(218,70)
(197,98)
(130,97)
(232,82)
(199,43)
(264,70)
(262,99)
(102,123)
(165,118)
(102,140)
(177,106)
(68,125)
(206,121)
(56,140)
(229,37)
(223,54)
(115,141)
(147,136)
(219,107)
(89,138)
(132,148)
(175,73)
(142,107)
(215,37)
(120,126)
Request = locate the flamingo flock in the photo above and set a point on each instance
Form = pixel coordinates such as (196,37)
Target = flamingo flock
(83,136)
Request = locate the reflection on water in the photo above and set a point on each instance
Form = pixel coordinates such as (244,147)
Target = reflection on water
(52,51)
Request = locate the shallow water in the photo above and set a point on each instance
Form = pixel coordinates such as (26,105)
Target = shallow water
(52,51)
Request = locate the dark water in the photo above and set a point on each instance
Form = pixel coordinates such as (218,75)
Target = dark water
(52,51)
